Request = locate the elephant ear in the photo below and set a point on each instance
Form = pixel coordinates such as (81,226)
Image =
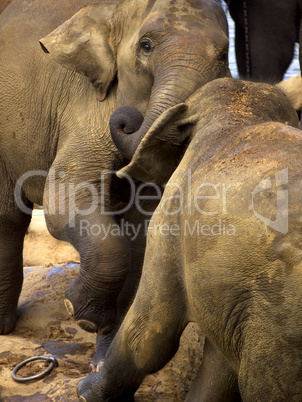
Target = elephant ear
(83,44)
(162,148)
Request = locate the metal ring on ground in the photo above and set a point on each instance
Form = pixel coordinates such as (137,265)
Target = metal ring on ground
(52,364)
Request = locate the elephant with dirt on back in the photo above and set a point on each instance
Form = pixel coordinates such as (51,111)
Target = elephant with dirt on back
(55,144)
(224,249)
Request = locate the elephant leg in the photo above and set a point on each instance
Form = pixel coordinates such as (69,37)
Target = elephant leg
(137,247)
(13,226)
(270,51)
(215,381)
(137,243)
(124,300)
(102,345)
(149,335)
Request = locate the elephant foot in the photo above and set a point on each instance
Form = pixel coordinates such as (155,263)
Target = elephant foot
(88,390)
(102,345)
(96,367)
(84,389)
(7,323)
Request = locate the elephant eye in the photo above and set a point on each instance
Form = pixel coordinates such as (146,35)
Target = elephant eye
(223,57)
(146,45)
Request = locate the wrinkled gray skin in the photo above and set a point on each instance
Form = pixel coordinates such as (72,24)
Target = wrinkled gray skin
(273,28)
(148,54)
(211,259)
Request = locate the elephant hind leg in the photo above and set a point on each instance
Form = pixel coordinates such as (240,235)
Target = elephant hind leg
(215,381)
(13,226)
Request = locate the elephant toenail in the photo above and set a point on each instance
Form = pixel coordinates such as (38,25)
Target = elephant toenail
(81,398)
(92,368)
(100,365)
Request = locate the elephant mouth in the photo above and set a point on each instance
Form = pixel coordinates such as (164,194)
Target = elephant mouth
(92,327)
(88,325)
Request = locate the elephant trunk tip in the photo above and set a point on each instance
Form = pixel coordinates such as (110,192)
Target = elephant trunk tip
(125,118)
(124,124)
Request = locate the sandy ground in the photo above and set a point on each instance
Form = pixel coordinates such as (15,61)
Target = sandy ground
(44,328)
(40,248)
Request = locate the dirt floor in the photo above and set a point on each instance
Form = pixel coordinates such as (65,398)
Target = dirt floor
(44,328)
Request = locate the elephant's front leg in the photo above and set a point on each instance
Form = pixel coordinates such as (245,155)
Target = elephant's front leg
(102,345)
(148,337)
(13,226)
(137,240)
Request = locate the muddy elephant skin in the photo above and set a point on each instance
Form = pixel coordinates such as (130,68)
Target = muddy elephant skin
(4,4)
(59,84)
(224,249)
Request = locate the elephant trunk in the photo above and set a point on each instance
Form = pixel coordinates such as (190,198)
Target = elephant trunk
(125,119)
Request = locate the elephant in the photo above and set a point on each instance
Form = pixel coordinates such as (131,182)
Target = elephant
(223,249)
(265,36)
(147,54)
(4,4)
(292,87)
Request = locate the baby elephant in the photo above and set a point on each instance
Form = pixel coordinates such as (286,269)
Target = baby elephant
(224,249)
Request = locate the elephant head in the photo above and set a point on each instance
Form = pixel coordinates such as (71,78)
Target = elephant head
(151,54)
(167,140)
